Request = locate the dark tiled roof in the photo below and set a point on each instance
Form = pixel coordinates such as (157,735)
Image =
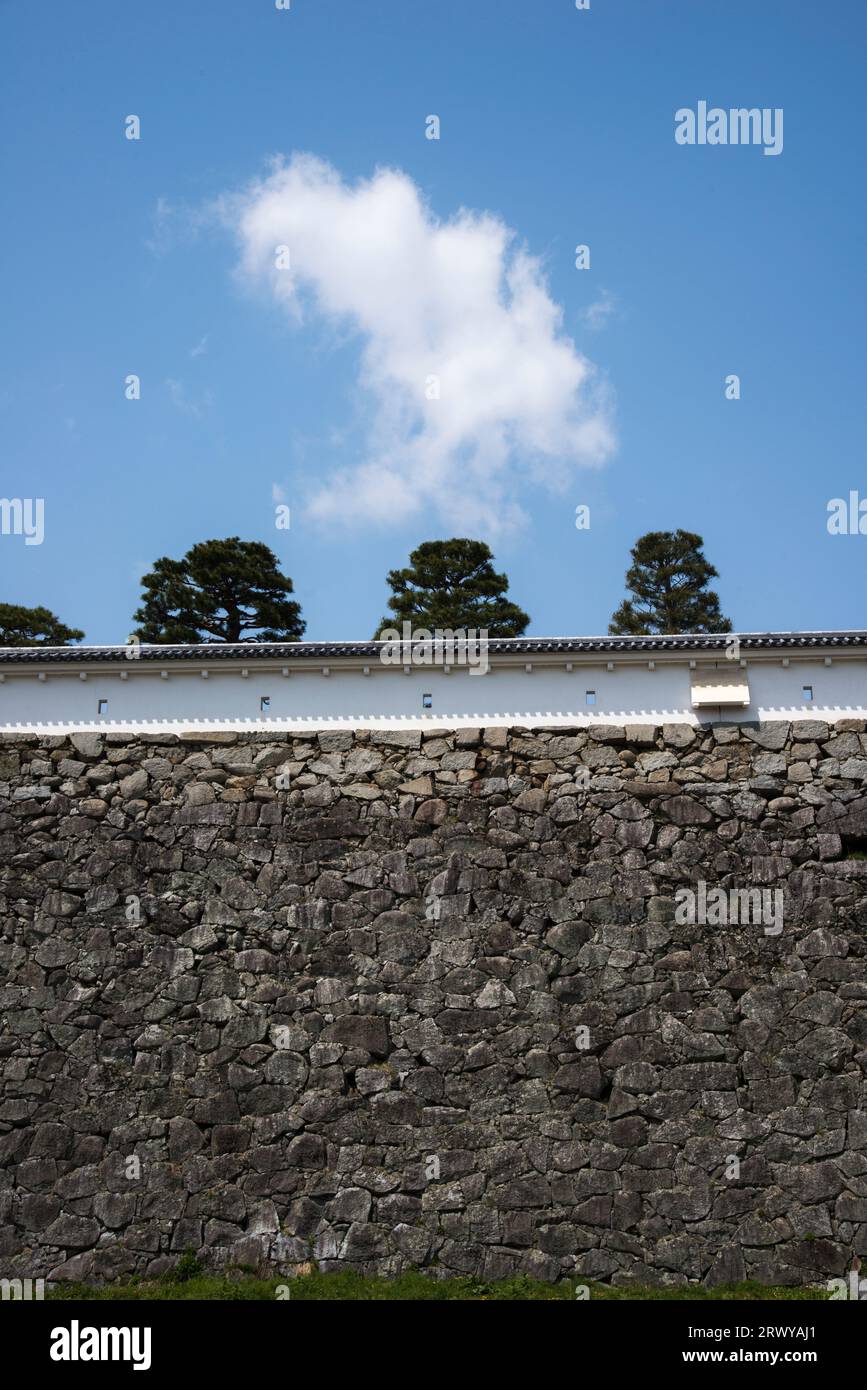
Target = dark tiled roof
(503,646)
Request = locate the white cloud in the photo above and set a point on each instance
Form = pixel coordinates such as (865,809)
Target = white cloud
(597,314)
(456,300)
(185,403)
(200,348)
(175,224)
(164,221)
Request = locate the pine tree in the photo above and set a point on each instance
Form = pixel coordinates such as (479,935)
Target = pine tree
(668,581)
(221,591)
(34,627)
(453,584)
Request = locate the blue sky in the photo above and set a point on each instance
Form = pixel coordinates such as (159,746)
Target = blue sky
(560,125)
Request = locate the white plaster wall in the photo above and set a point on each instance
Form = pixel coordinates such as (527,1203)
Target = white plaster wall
(505,695)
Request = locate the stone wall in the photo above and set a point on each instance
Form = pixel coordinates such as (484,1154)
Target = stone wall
(408,999)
